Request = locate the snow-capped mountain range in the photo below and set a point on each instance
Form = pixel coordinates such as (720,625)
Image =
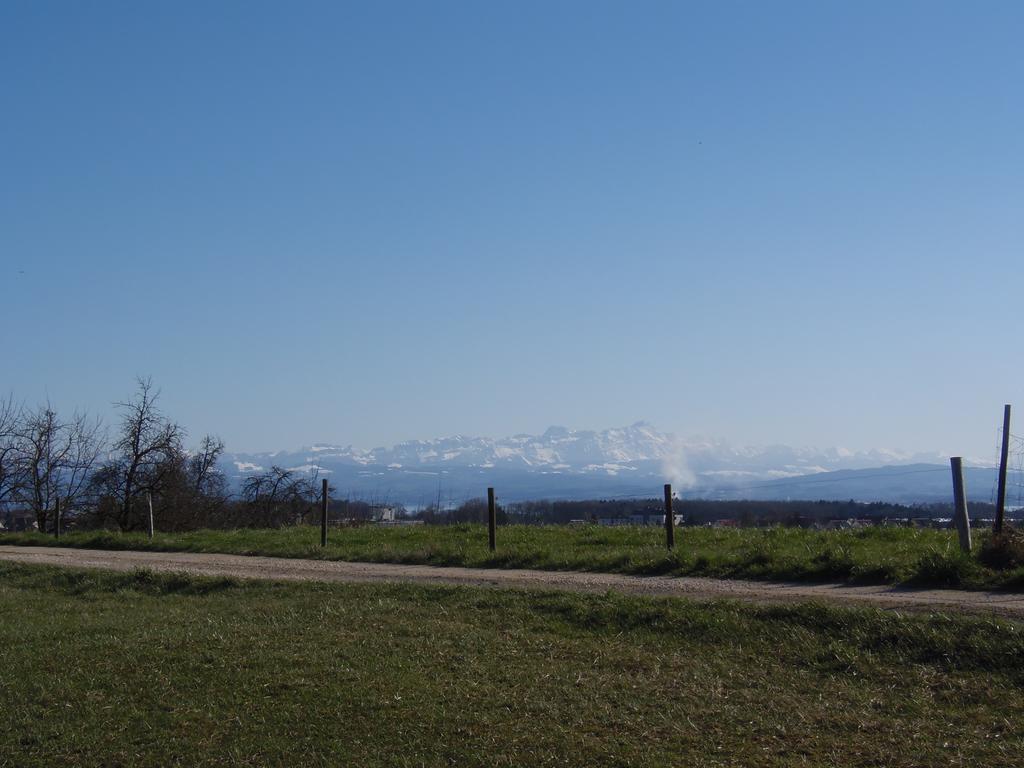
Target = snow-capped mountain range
(565,463)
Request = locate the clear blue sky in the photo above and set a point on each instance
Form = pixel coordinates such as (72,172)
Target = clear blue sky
(768,222)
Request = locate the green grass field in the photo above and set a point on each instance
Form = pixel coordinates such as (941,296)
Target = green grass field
(158,670)
(867,555)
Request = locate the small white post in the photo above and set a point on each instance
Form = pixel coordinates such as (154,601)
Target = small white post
(149,497)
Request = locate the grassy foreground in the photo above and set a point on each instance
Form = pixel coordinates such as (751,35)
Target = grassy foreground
(867,555)
(158,670)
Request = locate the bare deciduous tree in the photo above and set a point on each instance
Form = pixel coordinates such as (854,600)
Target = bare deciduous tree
(55,459)
(203,465)
(145,453)
(277,497)
(10,422)
(194,492)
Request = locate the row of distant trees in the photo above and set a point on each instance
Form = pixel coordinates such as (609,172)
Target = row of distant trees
(693,511)
(108,477)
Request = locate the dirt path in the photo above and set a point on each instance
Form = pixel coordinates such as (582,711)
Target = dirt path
(1007,604)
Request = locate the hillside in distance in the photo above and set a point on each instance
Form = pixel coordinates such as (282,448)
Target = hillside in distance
(629,461)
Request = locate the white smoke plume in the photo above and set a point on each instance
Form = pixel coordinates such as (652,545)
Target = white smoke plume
(675,467)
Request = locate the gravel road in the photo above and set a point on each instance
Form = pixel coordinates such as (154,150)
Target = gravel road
(897,598)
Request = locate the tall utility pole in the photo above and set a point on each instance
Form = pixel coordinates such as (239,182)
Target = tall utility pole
(1004,455)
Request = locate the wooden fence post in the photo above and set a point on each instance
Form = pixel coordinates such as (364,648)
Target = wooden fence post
(960,517)
(323,513)
(149,498)
(492,519)
(670,522)
(997,528)
(56,521)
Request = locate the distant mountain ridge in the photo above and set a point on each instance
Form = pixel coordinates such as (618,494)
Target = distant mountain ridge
(557,448)
(566,463)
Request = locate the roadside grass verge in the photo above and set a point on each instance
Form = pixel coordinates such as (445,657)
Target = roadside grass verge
(146,669)
(921,557)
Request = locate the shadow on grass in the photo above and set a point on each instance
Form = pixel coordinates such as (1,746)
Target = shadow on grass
(142,580)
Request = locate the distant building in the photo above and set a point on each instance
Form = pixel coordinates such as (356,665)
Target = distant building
(382,514)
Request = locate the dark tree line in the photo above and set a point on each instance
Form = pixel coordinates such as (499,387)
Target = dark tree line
(470,511)
(694,512)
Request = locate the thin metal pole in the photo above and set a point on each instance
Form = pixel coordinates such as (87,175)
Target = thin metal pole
(670,522)
(323,513)
(149,498)
(492,519)
(960,517)
(1003,457)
